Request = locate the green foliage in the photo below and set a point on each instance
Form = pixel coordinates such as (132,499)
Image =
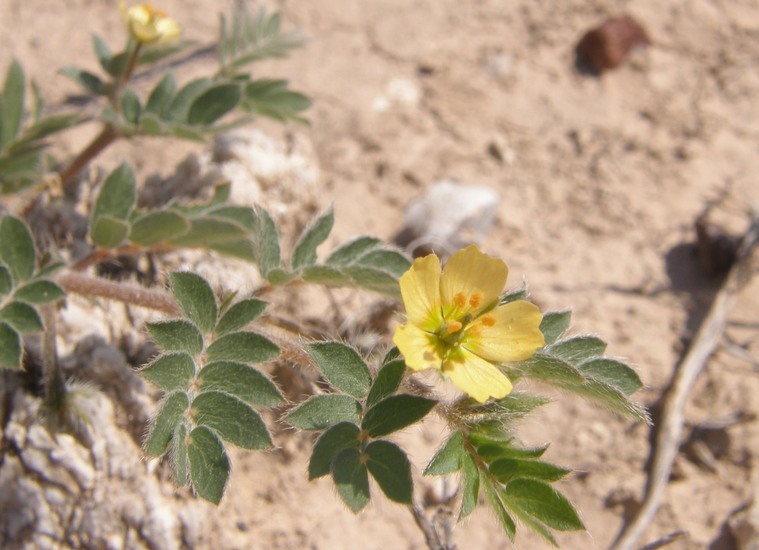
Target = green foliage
(23,289)
(210,383)
(324,411)
(343,435)
(23,157)
(342,366)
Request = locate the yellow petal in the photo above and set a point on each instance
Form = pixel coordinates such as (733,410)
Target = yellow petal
(417,347)
(168,29)
(473,279)
(510,332)
(477,377)
(420,289)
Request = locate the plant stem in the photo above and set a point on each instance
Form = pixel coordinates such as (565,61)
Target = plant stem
(107,135)
(135,295)
(55,384)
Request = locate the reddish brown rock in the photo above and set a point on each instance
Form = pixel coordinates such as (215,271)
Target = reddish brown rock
(607,45)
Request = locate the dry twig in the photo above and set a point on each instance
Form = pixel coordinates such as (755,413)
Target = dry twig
(664,449)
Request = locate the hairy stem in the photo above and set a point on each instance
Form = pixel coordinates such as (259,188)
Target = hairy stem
(55,384)
(85,285)
(107,135)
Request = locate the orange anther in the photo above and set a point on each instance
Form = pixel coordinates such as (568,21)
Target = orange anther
(476,299)
(453,326)
(488,320)
(459,300)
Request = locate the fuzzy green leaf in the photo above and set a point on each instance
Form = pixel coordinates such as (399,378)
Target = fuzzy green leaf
(240,315)
(324,411)
(374,279)
(161,95)
(21,316)
(578,349)
(6,282)
(394,413)
(507,469)
(343,435)
(41,291)
(209,464)
(102,51)
(391,261)
(214,103)
(178,455)
(242,347)
(241,381)
(118,194)
(542,502)
(164,426)
(196,299)
(614,373)
(17,250)
(491,495)
(390,467)
(130,106)
(351,479)
(178,335)
(325,275)
(350,252)
(170,372)
(388,380)
(242,215)
(304,253)
(491,450)
(267,243)
(550,369)
(470,486)
(108,232)
(10,346)
(279,276)
(243,249)
(209,231)
(179,107)
(89,82)
(232,419)
(449,457)
(554,325)
(272,98)
(342,366)
(12,104)
(158,227)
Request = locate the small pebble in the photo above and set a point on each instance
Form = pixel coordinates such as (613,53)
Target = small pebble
(606,46)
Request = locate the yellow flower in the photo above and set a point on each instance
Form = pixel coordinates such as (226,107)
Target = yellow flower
(455,324)
(147,24)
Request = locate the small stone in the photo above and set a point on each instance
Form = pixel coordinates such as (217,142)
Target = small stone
(447,217)
(606,46)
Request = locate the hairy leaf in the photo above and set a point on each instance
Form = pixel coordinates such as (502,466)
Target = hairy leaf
(209,464)
(578,349)
(157,227)
(390,467)
(470,486)
(394,413)
(351,479)
(342,366)
(41,291)
(21,316)
(108,232)
(614,373)
(10,346)
(240,380)
(178,455)
(196,299)
(169,416)
(391,261)
(117,195)
(12,104)
(554,324)
(304,253)
(170,372)
(350,252)
(232,419)
(343,435)
(17,250)
(242,347)
(161,95)
(542,502)
(449,457)
(508,469)
(491,495)
(388,380)
(240,315)
(214,103)
(320,412)
(179,335)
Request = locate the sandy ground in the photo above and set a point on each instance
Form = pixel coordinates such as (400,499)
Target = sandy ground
(600,182)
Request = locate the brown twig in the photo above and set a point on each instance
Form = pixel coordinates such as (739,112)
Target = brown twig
(664,449)
(431,536)
(107,135)
(86,285)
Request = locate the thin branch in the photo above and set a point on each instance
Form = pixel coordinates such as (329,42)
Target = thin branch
(664,449)
(86,285)
(106,136)
(431,536)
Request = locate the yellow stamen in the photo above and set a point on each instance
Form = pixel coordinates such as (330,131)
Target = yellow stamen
(459,300)
(453,326)
(488,320)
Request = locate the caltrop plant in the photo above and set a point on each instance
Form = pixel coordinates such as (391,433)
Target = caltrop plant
(211,349)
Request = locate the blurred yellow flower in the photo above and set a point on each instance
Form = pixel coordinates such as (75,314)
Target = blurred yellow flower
(456,325)
(147,24)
